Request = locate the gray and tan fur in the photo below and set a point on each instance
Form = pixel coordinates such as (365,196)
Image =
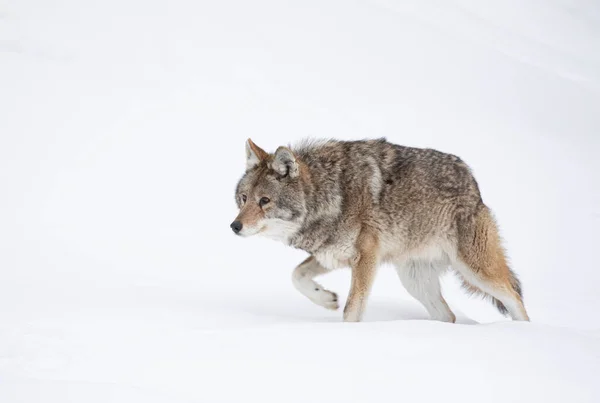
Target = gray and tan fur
(359,204)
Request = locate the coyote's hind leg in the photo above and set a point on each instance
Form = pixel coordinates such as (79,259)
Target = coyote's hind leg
(422,280)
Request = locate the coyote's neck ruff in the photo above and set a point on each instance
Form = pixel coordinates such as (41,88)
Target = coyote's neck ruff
(358,204)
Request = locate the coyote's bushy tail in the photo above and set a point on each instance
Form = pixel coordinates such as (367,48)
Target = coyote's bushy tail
(486,270)
(473,290)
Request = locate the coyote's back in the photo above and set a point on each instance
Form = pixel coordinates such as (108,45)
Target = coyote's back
(361,203)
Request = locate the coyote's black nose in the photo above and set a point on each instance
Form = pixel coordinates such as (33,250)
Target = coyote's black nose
(236,226)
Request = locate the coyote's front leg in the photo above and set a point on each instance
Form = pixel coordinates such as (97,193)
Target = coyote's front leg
(363,274)
(303,281)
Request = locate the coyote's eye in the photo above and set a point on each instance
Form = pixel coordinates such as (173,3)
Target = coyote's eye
(263,201)
(244,198)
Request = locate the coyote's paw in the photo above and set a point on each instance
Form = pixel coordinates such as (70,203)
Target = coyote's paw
(325,298)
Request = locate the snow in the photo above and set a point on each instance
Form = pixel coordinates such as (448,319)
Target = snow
(122,130)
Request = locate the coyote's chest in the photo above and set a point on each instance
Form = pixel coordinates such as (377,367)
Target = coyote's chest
(336,257)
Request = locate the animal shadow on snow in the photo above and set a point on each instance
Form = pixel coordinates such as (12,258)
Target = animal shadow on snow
(378,310)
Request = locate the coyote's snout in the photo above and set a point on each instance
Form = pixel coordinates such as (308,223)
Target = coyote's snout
(236,226)
(362,203)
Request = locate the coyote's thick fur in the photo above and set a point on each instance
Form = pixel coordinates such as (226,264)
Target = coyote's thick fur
(358,204)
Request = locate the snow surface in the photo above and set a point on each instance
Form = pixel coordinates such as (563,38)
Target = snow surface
(122,126)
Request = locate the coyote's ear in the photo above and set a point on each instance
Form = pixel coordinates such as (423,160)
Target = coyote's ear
(254,154)
(284,163)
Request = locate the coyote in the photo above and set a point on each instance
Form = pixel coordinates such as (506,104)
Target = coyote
(360,204)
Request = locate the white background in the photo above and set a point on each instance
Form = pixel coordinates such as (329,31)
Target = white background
(122,129)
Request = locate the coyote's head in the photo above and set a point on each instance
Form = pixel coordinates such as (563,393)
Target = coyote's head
(270,194)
